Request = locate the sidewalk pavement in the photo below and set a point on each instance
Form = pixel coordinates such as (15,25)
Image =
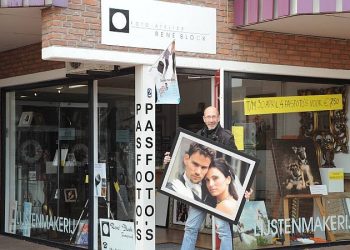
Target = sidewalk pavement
(11,243)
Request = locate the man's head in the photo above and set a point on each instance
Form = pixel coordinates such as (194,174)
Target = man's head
(197,161)
(211,117)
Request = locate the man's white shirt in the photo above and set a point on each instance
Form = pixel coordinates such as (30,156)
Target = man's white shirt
(188,188)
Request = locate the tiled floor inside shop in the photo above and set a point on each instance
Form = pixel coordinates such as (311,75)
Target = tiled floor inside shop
(170,239)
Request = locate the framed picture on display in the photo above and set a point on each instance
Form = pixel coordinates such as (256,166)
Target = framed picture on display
(196,164)
(253,229)
(296,165)
(26,119)
(70,194)
(180,212)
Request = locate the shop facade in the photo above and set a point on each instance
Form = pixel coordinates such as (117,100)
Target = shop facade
(81,100)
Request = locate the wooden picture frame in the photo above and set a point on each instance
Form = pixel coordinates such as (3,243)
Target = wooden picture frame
(296,165)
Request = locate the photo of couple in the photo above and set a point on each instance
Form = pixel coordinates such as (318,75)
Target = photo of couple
(208,175)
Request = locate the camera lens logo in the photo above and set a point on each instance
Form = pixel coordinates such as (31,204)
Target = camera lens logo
(119,20)
(105,229)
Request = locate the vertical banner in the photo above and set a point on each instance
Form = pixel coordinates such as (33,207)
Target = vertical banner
(145,159)
(164,71)
(100,181)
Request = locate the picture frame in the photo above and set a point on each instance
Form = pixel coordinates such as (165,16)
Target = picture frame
(26,119)
(242,169)
(253,230)
(180,212)
(338,204)
(296,165)
(70,194)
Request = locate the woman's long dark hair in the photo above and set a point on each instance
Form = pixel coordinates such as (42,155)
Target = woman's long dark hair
(225,169)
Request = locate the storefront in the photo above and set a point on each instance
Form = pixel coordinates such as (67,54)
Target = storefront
(83,140)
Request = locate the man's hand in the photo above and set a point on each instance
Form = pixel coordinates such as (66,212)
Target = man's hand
(247,194)
(166,159)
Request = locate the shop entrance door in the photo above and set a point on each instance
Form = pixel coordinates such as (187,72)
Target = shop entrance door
(196,95)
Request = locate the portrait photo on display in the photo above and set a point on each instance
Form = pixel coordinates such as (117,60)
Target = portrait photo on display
(296,165)
(209,176)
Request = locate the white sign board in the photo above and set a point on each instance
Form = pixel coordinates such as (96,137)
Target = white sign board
(154,24)
(318,189)
(117,235)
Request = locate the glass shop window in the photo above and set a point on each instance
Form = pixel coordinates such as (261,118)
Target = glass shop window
(46,161)
(294,149)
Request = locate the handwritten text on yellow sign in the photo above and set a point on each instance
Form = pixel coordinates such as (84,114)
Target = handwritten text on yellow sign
(289,104)
(336,175)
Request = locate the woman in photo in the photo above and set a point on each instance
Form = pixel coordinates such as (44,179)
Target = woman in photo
(220,184)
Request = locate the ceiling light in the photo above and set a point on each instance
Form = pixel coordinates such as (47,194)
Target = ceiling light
(77,86)
(199,77)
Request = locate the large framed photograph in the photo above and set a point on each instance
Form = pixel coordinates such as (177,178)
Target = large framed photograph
(296,165)
(208,175)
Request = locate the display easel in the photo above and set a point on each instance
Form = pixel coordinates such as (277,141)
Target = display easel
(316,199)
(85,212)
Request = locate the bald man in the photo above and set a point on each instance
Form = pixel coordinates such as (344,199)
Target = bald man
(212,129)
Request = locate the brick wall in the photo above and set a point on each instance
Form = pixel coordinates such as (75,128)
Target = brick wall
(79,26)
(25,60)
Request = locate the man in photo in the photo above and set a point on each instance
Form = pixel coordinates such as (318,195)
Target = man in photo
(213,131)
(190,183)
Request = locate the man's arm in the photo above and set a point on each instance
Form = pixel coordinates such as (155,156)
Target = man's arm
(230,140)
(231,143)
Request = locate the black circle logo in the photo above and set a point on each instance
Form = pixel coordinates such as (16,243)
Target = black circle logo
(105,229)
(119,20)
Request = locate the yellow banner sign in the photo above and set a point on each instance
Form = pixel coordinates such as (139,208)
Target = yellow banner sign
(290,104)
(339,175)
(238,134)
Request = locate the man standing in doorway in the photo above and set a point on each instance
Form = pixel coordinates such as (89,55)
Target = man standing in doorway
(213,131)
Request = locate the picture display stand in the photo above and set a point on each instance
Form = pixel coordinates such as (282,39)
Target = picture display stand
(316,199)
(84,213)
